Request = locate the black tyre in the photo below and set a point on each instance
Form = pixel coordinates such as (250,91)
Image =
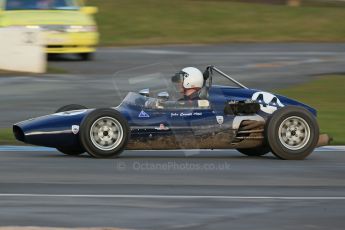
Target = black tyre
(86,56)
(71,151)
(292,133)
(258,151)
(70,108)
(104,133)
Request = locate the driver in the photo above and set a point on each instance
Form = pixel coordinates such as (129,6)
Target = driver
(189,81)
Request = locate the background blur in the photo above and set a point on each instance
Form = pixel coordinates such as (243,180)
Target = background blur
(138,22)
(291,47)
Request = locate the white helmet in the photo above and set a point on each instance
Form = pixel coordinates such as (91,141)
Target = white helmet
(191,78)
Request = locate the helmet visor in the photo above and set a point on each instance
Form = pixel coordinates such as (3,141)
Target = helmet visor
(179,77)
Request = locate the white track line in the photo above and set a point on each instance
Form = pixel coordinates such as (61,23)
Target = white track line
(174,196)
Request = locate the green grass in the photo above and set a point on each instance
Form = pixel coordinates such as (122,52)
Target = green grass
(137,22)
(328,3)
(326,95)
(56,70)
(6,137)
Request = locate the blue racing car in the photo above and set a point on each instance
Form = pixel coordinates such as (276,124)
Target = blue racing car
(217,117)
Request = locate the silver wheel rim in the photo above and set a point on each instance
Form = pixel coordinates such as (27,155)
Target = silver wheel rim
(294,133)
(106,133)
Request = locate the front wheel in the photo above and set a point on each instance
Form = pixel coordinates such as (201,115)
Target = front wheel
(104,133)
(292,133)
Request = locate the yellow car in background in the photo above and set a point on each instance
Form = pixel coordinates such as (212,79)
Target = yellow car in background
(68,25)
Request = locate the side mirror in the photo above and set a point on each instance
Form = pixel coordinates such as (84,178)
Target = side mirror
(145,92)
(163,96)
(89,10)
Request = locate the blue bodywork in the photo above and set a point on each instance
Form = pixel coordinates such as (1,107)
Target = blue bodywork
(146,123)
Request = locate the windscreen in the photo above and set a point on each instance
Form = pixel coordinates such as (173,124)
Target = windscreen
(155,78)
(41,5)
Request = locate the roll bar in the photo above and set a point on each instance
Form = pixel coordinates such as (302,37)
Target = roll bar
(209,69)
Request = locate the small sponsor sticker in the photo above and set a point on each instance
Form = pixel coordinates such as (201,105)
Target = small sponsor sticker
(220,119)
(75,129)
(143,114)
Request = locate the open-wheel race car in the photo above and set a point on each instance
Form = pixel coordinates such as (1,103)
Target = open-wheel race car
(224,117)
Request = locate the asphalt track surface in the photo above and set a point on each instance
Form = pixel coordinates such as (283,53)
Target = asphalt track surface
(172,190)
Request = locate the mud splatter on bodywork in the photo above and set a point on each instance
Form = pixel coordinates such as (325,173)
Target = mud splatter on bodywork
(224,139)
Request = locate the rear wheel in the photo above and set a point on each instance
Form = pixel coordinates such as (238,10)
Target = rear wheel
(73,151)
(104,133)
(258,151)
(292,133)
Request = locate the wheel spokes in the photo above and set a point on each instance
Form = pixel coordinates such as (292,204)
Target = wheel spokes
(106,133)
(294,133)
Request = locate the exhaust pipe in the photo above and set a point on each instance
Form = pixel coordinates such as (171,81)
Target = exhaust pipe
(324,139)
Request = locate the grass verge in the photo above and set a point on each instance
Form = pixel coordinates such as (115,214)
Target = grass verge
(139,22)
(7,138)
(326,94)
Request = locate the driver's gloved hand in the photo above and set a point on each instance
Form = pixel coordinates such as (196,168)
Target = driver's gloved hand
(153,104)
